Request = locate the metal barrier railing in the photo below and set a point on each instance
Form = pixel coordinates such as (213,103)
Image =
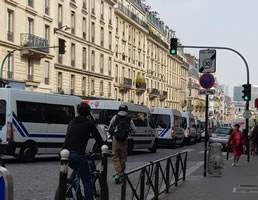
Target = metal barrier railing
(155,178)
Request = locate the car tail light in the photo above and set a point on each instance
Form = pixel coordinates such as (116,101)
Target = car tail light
(188,132)
(9,134)
(172,131)
(158,127)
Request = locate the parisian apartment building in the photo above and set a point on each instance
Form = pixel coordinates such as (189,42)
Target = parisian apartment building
(115,49)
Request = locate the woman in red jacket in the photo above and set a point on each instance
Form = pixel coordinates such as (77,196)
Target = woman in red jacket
(238,144)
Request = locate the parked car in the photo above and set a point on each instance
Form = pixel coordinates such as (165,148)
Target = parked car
(220,135)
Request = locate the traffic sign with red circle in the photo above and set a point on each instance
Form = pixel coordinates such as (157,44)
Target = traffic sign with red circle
(207,81)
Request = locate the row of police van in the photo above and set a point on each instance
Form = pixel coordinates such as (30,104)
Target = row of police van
(33,123)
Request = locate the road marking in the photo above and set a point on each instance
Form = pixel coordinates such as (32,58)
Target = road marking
(188,150)
(194,168)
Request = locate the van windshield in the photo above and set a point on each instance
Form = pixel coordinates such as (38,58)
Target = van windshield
(162,120)
(103,116)
(2,112)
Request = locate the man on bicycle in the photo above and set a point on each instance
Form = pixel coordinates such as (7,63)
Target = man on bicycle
(78,133)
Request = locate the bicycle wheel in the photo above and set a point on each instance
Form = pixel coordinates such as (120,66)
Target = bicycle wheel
(96,185)
(73,191)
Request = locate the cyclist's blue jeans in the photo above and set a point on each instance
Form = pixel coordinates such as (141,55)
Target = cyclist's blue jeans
(79,163)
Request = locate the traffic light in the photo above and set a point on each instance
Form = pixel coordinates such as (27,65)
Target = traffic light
(173,46)
(61,46)
(246,92)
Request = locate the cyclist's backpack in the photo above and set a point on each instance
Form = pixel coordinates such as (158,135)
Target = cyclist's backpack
(122,130)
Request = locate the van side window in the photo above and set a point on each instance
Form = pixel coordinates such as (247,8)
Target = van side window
(59,114)
(2,112)
(31,112)
(184,124)
(178,121)
(139,118)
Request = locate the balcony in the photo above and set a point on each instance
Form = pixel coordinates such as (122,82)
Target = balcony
(158,39)
(132,16)
(10,36)
(33,41)
(164,95)
(125,83)
(190,107)
(153,92)
(140,87)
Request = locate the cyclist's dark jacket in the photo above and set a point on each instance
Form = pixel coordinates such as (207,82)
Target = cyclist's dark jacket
(79,130)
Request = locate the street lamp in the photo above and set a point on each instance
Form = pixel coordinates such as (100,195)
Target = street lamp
(61,27)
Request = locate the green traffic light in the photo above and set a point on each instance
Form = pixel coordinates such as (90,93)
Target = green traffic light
(173,51)
(246,98)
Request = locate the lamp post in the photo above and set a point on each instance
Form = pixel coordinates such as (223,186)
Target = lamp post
(61,27)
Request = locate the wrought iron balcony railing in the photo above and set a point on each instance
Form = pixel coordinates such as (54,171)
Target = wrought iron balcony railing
(141,86)
(29,40)
(131,15)
(159,40)
(154,91)
(126,82)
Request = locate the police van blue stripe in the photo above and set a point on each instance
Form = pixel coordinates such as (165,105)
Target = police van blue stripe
(23,131)
(164,132)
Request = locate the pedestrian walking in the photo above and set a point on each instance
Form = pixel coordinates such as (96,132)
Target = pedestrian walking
(255,138)
(79,131)
(238,144)
(120,127)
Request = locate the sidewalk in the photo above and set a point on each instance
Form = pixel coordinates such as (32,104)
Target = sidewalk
(237,183)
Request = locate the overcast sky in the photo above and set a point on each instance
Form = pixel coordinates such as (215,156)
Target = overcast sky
(230,23)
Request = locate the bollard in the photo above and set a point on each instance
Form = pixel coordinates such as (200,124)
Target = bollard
(63,173)
(215,160)
(104,159)
(6,185)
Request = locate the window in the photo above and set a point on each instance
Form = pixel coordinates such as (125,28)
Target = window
(60,15)
(59,82)
(84,4)
(72,84)
(93,6)
(30,3)
(30,69)
(47,7)
(92,85)
(109,66)
(10,66)
(2,112)
(84,58)
(190,92)
(162,120)
(117,22)
(84,28)
(102,10)
(47,34)
(46,72)
(92,32)
(116,76)
(103,116)
(73,23)
(102,36)
(116,50)
(44,113)
(139,119)
(101,88)
(10,25)
(73,55)
(110,15)
(83,86)
(110,40)
(109,89)
(30,25)
(93,61)
(101,63)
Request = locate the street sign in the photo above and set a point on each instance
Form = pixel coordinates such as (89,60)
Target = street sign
(247,114)
(207,61)
(207,81)
(206,92)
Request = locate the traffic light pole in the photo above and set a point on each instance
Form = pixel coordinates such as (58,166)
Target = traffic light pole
(248,82)
(18,49)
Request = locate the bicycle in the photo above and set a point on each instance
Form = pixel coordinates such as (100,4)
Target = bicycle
(73,188)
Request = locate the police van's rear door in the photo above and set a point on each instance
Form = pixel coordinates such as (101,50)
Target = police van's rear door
(3,120)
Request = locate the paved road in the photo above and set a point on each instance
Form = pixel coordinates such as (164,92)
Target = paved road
(38,180)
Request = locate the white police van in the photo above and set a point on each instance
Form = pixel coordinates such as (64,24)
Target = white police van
(189,127)
(34,123)
(146,133)
(169,125)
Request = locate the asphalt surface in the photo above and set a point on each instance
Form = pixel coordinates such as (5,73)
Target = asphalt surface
(38,180)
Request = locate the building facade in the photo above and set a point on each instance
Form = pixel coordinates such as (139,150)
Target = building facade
(114,50)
